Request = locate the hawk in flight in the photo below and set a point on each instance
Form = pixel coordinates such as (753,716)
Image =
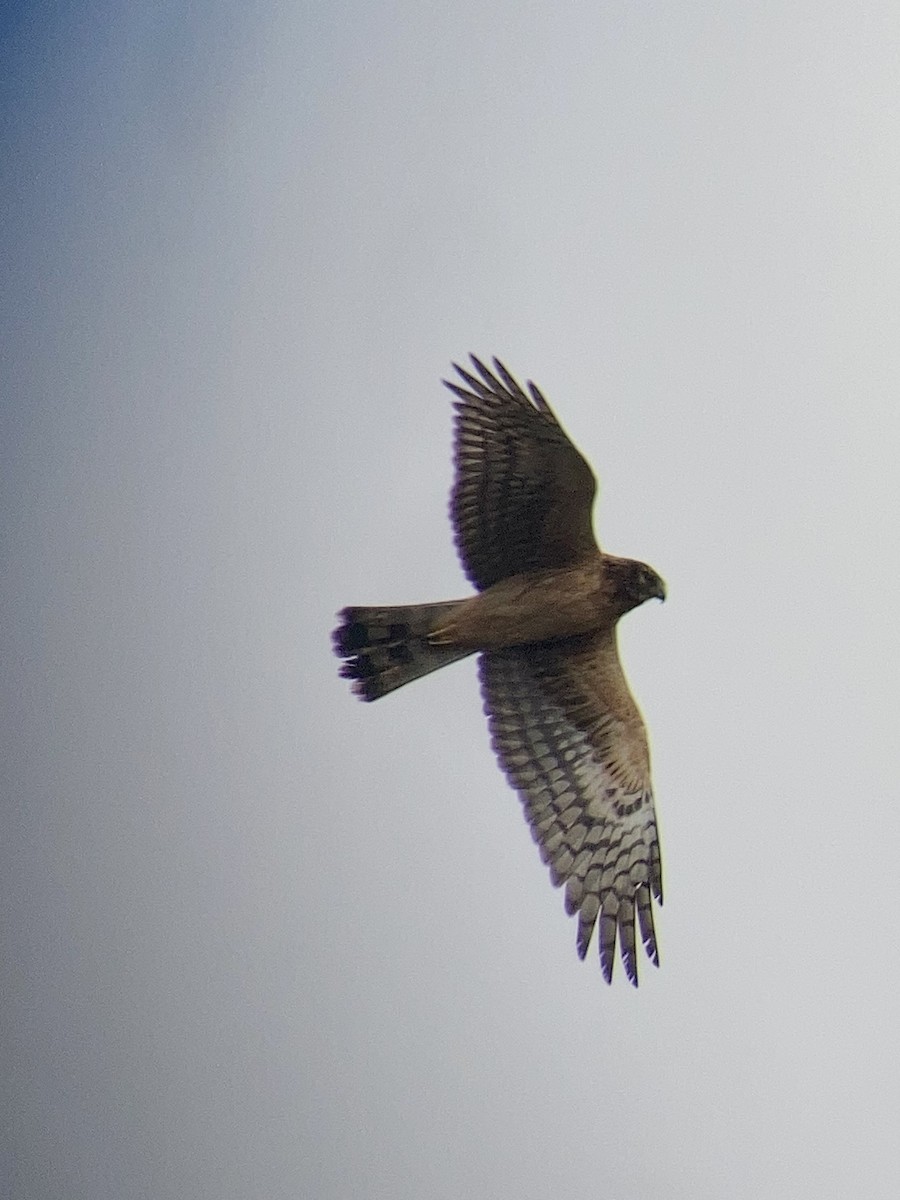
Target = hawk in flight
(563,722)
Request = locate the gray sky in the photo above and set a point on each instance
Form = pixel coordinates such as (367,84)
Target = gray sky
(261,940)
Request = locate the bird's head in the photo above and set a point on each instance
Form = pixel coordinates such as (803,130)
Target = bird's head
(633,582)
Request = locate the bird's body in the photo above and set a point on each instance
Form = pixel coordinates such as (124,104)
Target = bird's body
(563,721)
(537,606)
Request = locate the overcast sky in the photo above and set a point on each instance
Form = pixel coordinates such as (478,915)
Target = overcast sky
(260,940)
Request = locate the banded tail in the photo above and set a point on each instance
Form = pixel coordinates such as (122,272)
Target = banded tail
(387,647)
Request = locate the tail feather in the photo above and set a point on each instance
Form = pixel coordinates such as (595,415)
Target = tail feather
(384,648)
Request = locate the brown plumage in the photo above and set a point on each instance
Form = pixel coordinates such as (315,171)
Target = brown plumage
(563,722)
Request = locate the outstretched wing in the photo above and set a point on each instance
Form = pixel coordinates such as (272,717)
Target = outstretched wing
(572,743)
(522,496)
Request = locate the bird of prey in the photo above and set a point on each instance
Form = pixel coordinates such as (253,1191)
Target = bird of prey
(563,722)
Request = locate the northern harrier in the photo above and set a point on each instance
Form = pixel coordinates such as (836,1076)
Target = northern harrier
(563,722)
